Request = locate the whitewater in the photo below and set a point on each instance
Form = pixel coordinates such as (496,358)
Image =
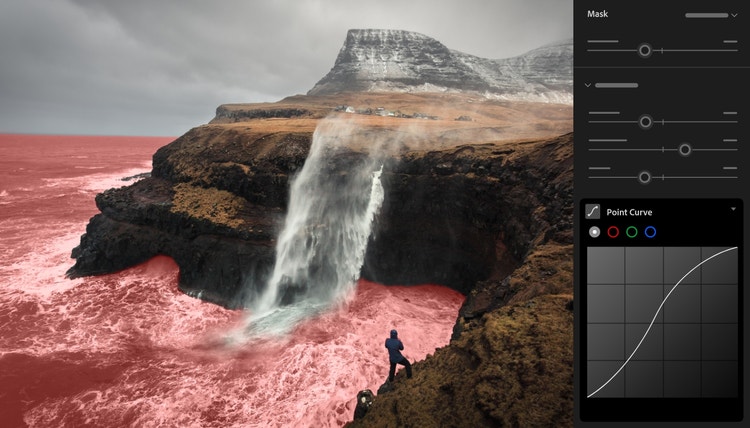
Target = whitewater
(321,248)
(129,349)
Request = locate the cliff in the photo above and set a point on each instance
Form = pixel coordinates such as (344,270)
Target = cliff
(455,212)
(468,205)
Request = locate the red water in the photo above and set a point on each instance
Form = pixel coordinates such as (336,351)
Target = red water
(128,349)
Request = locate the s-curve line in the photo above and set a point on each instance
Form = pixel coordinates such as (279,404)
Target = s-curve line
(654,319)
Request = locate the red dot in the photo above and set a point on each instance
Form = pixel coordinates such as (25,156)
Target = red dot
(613,232)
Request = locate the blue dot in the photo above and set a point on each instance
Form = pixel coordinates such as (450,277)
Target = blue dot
(649,231)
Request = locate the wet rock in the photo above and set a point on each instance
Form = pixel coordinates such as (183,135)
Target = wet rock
(364,401)
(386,387)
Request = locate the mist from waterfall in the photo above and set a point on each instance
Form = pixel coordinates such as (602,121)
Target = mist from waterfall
(321,248)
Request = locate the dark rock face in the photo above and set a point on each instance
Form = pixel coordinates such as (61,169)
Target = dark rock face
(394,60)
(464,215)
(364,401)
(137,223)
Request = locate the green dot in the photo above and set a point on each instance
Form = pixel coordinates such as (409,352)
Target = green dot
(631,231)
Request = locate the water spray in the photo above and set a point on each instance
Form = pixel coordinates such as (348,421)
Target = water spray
(321,248)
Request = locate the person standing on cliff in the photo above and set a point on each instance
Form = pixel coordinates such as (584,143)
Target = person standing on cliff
(395,346)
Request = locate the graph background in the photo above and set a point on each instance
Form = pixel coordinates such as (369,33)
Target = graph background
(692,348)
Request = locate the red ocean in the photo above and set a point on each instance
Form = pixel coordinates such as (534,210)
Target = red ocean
(130,350)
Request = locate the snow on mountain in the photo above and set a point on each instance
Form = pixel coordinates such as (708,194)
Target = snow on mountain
(404,61)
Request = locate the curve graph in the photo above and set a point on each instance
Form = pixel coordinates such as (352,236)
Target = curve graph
(662,322)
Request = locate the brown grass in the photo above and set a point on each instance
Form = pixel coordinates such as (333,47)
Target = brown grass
(217,206)
(547,270)
(517,371)
(492,120)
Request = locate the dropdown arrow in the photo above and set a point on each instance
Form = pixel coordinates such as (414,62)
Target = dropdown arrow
(734,15)
(587,84)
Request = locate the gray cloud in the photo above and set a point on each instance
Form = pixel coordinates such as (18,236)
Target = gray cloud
(161,67)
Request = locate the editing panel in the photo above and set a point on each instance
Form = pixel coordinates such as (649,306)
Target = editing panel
(660,287)
(660,183)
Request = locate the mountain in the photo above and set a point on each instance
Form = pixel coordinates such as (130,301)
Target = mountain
(404,61)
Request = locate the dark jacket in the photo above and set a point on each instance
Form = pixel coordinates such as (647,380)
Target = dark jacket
(394,346)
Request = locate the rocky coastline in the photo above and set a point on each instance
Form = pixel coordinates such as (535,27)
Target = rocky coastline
(487,216)
(216,197)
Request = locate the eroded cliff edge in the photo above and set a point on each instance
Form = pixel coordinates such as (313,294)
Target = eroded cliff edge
(217,195)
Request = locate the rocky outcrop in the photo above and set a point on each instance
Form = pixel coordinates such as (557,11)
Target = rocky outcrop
(395,60)
(228,114)
(214,202)
(219,241)
(513,369)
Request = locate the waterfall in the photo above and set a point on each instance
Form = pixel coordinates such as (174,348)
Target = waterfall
(321,248)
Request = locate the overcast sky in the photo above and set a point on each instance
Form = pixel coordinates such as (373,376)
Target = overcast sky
(151,67)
